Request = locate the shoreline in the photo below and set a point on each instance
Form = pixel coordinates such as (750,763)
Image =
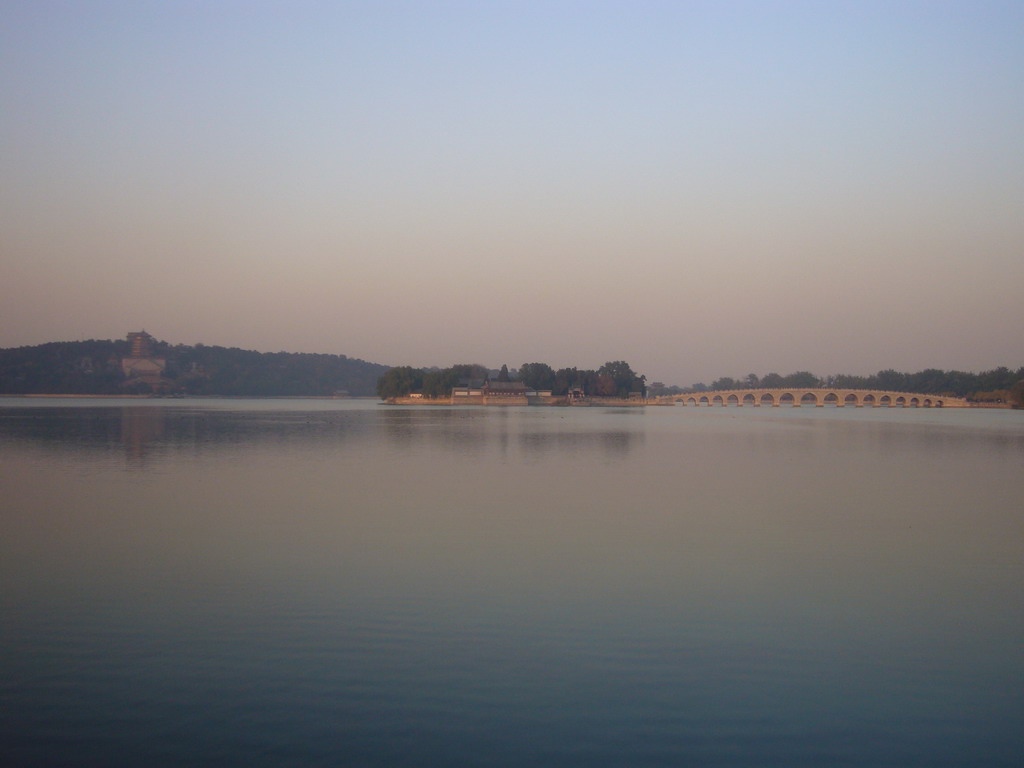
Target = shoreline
(553,402)
(547,402)
(191,397)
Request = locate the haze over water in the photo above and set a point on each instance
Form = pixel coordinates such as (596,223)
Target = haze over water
(330,582)
(703,189)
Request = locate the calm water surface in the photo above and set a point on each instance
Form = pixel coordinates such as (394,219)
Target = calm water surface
(340,583)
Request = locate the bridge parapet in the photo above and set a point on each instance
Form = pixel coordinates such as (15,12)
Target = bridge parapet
(818,396)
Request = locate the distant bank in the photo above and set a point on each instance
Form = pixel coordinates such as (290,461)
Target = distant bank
(538,400)
(143,365)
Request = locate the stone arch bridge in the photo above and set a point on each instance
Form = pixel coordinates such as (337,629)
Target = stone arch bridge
(820,397)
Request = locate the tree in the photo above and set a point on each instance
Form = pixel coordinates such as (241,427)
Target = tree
(623,379)
(565,379)
(1017,394)
(894,381)
(802,379)
(537,375)
(998,378)
(399,382)
(503,374)
(587,380)
(660,388)
(930,380)
(845,381)
(470,371)
(439,383)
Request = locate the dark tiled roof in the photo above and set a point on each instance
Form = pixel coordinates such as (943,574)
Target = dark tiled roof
(506,386)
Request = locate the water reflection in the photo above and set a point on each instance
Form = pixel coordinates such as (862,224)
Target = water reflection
(611,444)
(507,432)
(140,429)
(379,586)
(148,433)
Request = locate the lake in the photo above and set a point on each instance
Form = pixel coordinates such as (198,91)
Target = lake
(343,583)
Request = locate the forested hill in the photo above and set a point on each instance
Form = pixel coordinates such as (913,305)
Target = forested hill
(94,367)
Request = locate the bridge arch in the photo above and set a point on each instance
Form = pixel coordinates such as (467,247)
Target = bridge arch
(816,396)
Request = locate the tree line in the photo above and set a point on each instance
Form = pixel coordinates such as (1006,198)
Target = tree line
(94,368)
(613,379)
(997,385)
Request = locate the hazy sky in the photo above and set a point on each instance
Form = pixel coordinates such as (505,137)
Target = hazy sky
(700,188)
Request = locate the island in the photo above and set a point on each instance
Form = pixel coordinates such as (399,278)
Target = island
(614,383)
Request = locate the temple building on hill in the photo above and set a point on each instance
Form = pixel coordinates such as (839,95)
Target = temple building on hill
(140,365)
(141,343)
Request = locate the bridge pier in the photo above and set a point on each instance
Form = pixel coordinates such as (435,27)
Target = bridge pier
(822,396)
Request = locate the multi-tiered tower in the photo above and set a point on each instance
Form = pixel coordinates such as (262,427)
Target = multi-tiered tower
(140,365)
